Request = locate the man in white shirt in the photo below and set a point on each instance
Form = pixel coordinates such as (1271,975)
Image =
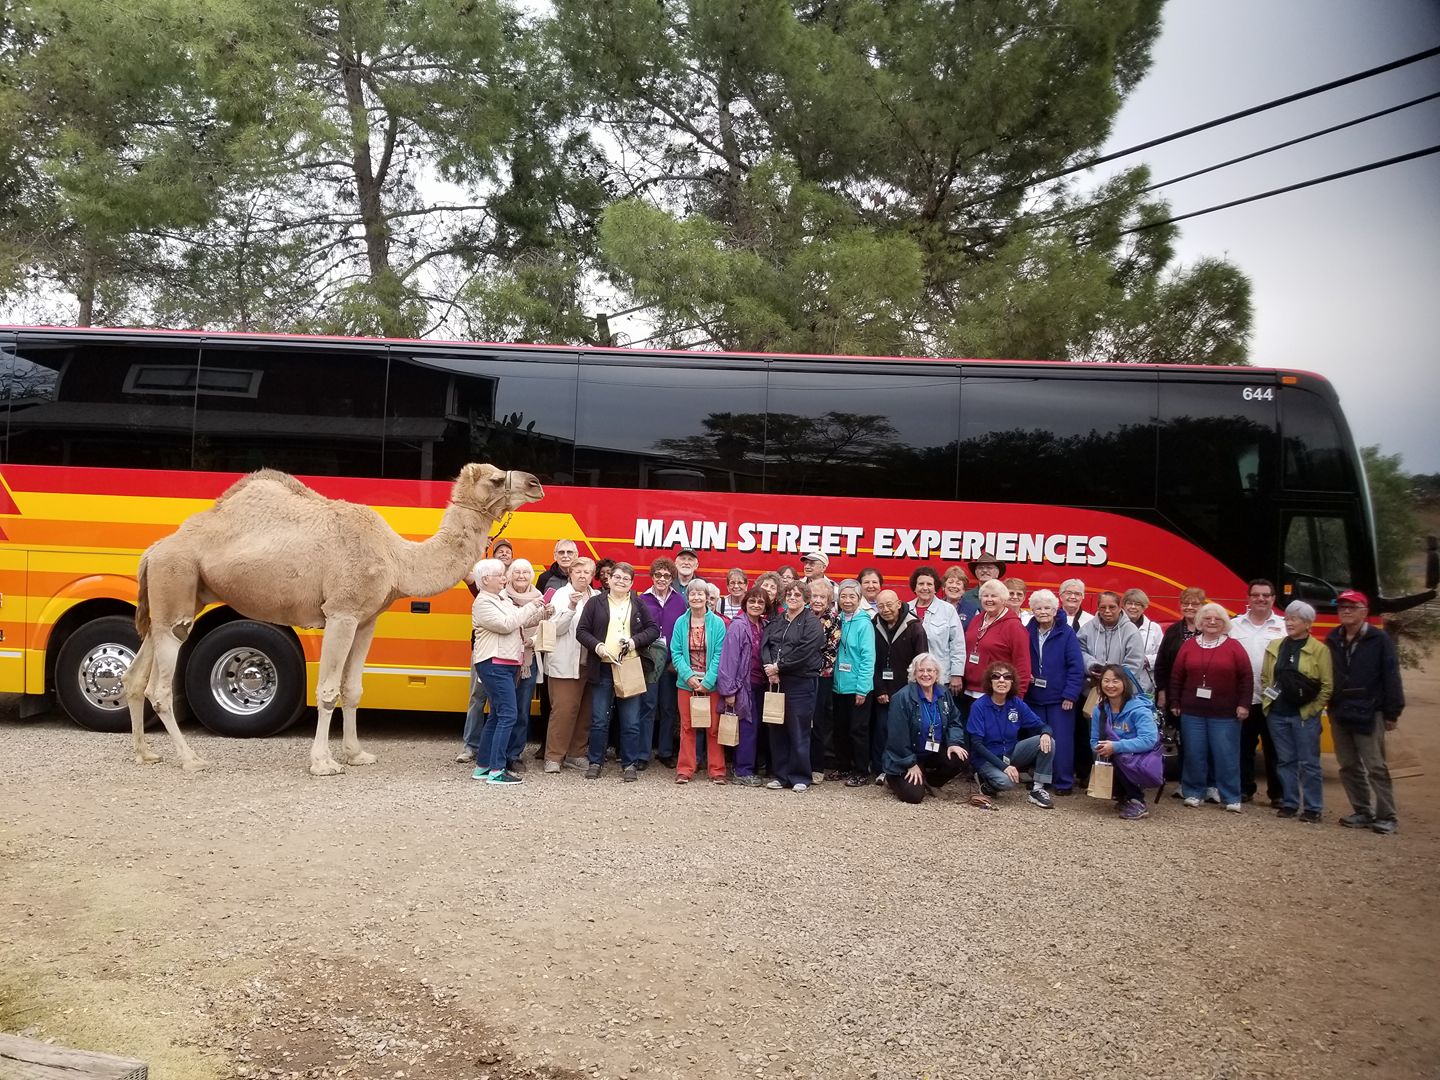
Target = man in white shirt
(1255,630)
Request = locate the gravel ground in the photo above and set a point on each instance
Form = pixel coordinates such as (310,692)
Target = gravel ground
(405,921)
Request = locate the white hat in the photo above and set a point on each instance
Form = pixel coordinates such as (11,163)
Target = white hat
(815,556)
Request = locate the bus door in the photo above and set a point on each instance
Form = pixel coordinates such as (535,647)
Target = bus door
(12,558)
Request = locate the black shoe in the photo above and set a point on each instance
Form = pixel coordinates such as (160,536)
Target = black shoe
(668,762)
(630,774)
(1248,798)
(856,780)
(1310,817)
(1287,812)
(592,772)
(988,790)
(1357,820)
(1063,791)
(1385,826)
(642,764)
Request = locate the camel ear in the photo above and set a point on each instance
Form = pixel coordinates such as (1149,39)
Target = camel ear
(477,471)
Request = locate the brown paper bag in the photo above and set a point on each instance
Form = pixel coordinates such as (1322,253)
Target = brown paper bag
(774,711)
(699,710)
(729,734)
(1092,700)
(629,677)
(1102,781)
(545,637)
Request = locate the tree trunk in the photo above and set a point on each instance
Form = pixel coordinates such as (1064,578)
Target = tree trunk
(85,290)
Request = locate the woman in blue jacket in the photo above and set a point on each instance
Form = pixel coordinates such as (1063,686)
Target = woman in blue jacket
(1057,669)
(995,731)
(1131,716)
(925,740)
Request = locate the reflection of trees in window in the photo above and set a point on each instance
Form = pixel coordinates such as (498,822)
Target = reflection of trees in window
(1095,468)
(729,441)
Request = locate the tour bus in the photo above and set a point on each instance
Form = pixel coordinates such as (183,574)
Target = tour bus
(1122,475)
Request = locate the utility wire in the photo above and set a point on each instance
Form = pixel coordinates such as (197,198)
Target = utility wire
(1287,188)
(1090,163)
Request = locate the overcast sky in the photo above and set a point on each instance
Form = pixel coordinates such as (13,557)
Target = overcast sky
(1346,275)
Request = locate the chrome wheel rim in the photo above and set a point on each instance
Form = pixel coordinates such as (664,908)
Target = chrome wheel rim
(243,681)
(102,675)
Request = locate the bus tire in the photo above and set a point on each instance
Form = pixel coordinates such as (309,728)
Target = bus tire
(246,680)
(89,670)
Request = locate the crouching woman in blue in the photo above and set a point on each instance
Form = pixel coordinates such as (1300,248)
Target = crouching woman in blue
(999,748)
(1126,720)
(925,739)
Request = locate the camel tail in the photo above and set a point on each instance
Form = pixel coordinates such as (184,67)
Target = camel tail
(142,603)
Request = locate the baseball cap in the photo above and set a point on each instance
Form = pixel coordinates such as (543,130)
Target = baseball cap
(1353,596)
(687,551)
(815,556)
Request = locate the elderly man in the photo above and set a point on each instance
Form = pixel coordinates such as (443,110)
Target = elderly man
(815,563)
(566,552)
(1255,630)
(1368,702)
(982,569)
(686,563)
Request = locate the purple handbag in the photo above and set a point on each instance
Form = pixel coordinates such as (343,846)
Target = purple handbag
(1145,769)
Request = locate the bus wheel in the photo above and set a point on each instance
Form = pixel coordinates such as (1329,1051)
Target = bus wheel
(246,680)
(90,671)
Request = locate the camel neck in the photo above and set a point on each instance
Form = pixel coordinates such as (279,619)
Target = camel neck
(431,566)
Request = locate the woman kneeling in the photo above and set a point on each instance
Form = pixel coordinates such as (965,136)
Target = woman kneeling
(925,740)
(1123,732)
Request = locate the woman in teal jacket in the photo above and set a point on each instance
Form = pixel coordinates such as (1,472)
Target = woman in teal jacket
(854,679)
(695,645)
(1131,716)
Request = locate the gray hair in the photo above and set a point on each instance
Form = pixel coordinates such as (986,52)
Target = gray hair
(1136,596)
(702,585)
(994,587)
(924,658)
(849,583)
(485,567)
(522,564)
(1301,610)
(1212,608)
(1072,583)
(1044,596)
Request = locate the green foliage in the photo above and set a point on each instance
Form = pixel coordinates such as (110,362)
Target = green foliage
(1397,528)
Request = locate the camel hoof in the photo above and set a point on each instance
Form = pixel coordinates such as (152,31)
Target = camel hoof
(194,765)
(146,757)
(326,768)
(361,757)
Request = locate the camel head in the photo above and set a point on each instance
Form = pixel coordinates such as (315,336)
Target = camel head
(494,491)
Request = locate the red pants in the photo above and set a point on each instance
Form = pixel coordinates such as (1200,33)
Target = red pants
(714,752)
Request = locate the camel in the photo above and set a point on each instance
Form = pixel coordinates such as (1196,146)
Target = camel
(278,552)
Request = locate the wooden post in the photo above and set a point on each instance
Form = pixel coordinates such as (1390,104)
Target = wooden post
(27,1059)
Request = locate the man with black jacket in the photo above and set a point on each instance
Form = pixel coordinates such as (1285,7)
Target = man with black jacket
(1367,703)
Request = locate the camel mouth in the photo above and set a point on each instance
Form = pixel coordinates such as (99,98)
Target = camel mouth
(524,488)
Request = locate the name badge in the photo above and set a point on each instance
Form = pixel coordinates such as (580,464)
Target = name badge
(974,658)
(887,675)
(844,667)
(1270,693)
(1203,693)
(932,746)
(1040,683)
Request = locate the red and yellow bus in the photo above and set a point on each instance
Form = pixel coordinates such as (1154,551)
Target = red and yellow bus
(1123,475)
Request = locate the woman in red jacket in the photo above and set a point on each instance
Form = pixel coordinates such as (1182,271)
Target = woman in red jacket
(995,634)
(1210,691)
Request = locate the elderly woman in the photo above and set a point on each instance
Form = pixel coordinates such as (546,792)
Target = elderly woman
(1121,727)
(790,654)
(1057,672)
(943,632)
(995,732)
(498,652)
(1295,685)
(741,680)
(736,586)
(1015,586)
(695,644)
(853,682)
(995,636)
(520,588)
(955,584)
(1072,597)
(565,738)
(924,737)
(770,584)
(1210,691)
(1134,602)
(1176,634)
(822,735)
(615,625)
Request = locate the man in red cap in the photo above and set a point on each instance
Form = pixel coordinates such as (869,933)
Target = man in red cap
(1367,703)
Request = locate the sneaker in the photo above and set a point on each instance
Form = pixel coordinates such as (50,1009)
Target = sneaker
(879,779)
(855,780)
(817,777)
(834,775)
(503,778)
(552,767)
(644,763)
(1310,817)
(681,778)
(1357,821)
(1385,826)
(749,781)
(1192,802)
(988,790)
(775,785)
(1232,807)
(1248,798)
(575,763)
(1041,798)
(463,756)
(592,772)
(800,787)
(1212,795)
(1287,812)
(630,774)
(1133,810)
(480,774)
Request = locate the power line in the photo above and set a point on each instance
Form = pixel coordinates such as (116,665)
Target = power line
(1288,187)
(1218,121)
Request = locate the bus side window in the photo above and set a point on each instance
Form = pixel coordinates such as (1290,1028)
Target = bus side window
(88,402)
(1317,557)
(1316,458)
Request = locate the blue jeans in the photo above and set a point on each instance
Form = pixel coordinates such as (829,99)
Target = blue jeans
(475,714)
(499,680)
(1027,753)
(1211,748)
(1297,759)
(602,694)
(659,707)
(524,694)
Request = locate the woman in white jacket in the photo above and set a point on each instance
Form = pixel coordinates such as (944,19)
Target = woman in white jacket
(1134,603)
(566,738)
(944,635)
(499,650)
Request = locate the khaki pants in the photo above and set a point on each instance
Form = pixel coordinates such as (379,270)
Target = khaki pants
(567,735)
(1363,770)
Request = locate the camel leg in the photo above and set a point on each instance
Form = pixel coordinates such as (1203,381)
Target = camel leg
(350,697)
(136,680)
(161,692)
(334,648)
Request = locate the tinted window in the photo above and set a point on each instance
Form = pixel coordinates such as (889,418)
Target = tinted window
(1217,458)
(880,435)
(666,426)
(312,409)
(1317,557)
(450,408)
(1316,456)
(76,403)
(1061,441)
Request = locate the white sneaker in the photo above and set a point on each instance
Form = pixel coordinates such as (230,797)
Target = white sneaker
(880,779)
(1233,807)
(1212,795)
(800,787)
(817,777)
(1192,802)
(775,785)
(552,766)
(576,763)
(464,756)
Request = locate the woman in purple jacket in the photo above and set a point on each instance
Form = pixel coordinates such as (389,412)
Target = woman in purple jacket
(1057,667)
(742,679)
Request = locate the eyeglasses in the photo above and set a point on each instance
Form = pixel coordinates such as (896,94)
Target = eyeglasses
(1002,678)
(662,573)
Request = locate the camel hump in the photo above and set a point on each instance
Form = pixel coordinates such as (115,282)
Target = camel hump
(285,480)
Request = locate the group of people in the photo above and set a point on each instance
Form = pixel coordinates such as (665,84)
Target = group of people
(817,681)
